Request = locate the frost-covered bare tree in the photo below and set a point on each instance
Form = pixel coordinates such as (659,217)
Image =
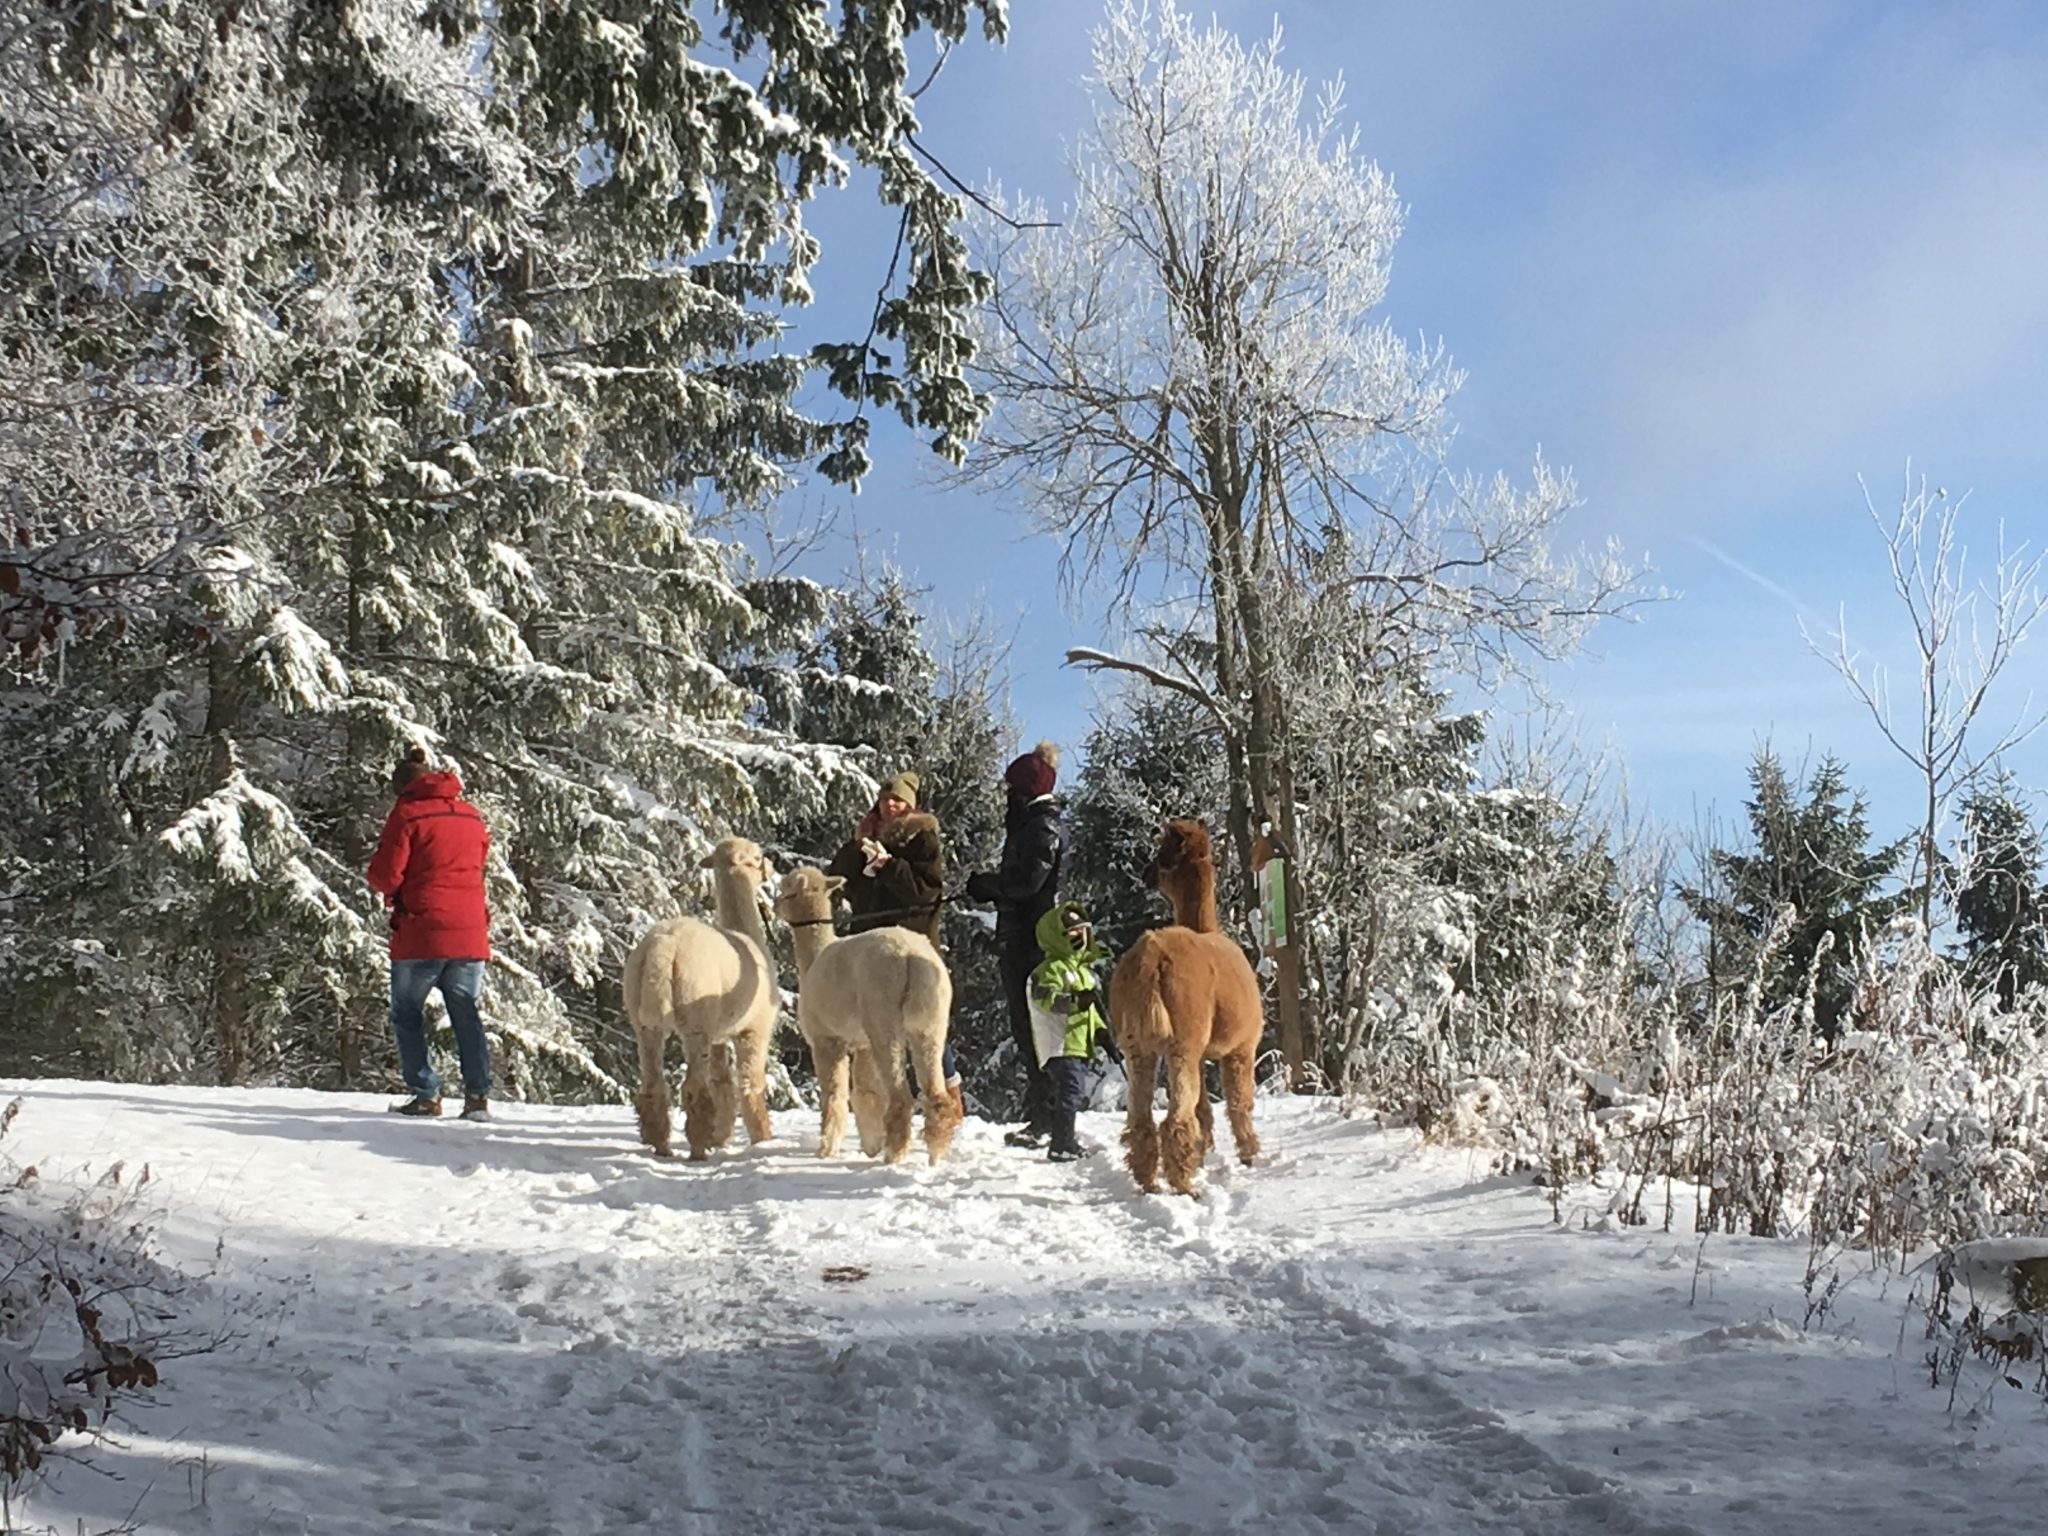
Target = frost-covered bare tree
(1963,636)
(1196,392)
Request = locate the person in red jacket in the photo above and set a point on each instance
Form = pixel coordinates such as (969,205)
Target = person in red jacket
(429,868)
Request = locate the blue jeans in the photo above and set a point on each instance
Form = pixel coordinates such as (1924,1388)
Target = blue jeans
(945,1062)
(461,983)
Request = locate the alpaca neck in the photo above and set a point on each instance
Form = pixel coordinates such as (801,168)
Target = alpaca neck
(808,941)
(1192,894)
(739,911)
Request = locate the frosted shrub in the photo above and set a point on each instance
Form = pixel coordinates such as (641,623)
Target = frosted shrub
(1924,1122)
(83,1309)
(1987,1301)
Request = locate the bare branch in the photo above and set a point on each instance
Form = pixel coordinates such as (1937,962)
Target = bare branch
(1103,661)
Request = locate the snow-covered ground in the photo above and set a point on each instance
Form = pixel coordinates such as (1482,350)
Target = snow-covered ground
(532,1326)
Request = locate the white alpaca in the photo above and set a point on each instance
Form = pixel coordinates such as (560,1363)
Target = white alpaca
(715,987)
(862,1002)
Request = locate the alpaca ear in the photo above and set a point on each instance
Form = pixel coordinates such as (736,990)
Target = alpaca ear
(834,882)
(707,862)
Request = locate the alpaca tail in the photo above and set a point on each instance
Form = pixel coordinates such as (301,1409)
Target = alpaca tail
(648,1015)
(649,985)
(1137,999)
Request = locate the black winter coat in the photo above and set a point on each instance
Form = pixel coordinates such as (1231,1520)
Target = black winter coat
(1026,882)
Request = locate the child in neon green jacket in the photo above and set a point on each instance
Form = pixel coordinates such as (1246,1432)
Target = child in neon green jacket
(1066,1016)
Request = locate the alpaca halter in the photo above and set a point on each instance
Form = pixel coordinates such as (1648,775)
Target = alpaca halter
(889,912)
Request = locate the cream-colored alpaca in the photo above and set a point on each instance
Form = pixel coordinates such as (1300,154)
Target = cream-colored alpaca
(862,1002)
(715,987)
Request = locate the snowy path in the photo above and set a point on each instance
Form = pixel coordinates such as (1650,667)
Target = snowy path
(532,1327)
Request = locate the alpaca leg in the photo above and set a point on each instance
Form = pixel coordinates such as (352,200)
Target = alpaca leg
(751,1049)
(1141,1137)
(650,1099)
(1237,1104)
(830,1059)
(700,1097)
(893,1087)
(1180,1148)
(1205,1119)
(941,1114)
(870,1103)
(725,1092)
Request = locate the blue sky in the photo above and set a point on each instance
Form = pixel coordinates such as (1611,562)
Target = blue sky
(1719,259)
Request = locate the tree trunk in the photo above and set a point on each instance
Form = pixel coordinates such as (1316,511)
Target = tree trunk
(351,1017)
(230,999)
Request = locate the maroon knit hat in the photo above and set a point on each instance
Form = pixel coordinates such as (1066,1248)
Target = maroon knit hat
(1033,774)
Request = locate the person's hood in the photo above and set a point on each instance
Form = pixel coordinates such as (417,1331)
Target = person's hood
(435,784)
(1052,930)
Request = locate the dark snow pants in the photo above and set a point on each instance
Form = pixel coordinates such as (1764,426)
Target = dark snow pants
(1068,1080)
(1017,956)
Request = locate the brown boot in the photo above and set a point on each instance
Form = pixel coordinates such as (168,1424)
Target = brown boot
(475,1106)
(420,1106)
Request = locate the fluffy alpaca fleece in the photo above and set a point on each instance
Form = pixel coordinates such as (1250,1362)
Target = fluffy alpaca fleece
(862,1002)
(1186,993)
(713,986)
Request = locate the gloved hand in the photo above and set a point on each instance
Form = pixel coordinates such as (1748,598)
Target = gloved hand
(1105,1041)
(981,886)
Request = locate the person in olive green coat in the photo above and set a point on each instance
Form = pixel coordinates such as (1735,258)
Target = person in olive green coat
(895,873)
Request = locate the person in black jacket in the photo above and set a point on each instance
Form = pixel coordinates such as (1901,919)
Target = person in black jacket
(1024,885)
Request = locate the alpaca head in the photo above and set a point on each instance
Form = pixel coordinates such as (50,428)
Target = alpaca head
(805,896)
(737,858)
(1183,845)
(1183,868)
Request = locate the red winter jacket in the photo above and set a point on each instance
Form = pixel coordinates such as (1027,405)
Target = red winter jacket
(429,866)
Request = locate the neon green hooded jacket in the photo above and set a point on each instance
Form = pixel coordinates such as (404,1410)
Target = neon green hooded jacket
(1064,982)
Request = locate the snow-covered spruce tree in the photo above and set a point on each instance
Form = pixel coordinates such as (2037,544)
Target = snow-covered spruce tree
(1152,753)
(1813,858)
(2001,902)
(494,316)
(1194,391)
(183,265)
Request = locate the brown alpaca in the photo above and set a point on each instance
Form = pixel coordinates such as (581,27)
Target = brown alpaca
(1186,993)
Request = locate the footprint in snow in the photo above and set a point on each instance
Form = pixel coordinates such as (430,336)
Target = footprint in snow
(1151,1473)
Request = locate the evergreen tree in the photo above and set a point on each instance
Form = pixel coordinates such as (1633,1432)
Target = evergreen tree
(2000,902)
(380,376)
(1798,905)
(1150,755)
